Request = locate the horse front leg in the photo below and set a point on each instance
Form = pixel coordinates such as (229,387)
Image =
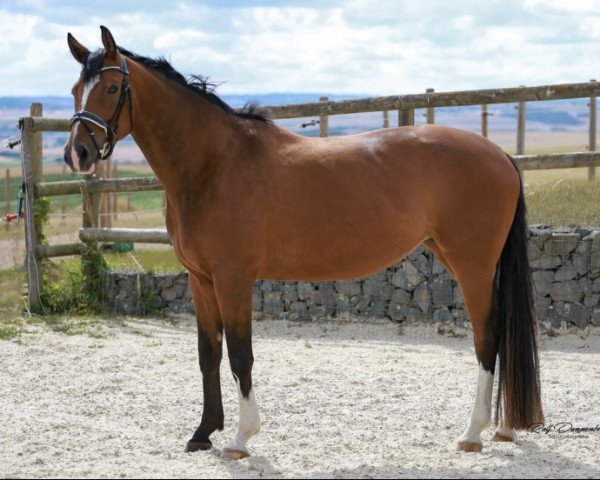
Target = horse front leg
(210,352)
(234,294)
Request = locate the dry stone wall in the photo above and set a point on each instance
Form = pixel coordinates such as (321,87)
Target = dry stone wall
(566,273)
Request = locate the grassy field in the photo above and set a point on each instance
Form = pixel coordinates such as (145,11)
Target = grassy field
(563,197)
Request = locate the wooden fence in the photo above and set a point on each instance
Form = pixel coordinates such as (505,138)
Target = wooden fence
(91,188)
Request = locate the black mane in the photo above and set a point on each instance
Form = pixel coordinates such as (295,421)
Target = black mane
(197,84)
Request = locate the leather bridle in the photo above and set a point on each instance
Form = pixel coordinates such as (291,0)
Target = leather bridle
(111,126)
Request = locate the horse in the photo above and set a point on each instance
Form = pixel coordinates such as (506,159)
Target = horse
(248,200)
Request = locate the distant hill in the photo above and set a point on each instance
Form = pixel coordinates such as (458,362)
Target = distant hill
(557,114)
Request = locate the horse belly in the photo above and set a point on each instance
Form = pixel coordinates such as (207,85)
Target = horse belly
(329,243)
(335,264)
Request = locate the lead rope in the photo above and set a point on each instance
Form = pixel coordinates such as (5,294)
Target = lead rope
(12,142)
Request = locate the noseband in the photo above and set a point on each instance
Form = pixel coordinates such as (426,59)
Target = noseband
(111,126)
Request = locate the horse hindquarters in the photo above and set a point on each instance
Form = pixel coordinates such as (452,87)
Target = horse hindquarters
(498,295)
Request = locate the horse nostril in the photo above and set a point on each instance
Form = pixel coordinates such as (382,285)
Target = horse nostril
(82,153)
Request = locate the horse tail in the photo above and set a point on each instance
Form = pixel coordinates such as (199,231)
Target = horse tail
(519,375)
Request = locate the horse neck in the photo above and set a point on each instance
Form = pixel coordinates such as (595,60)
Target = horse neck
(179,133)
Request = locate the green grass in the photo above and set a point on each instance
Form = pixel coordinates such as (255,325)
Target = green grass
(8,332)
(157,260)
(139,200)
(11,286)
(560,197)
(12,303)
(90,326)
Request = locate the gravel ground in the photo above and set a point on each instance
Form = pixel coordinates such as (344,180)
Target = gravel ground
(337,400)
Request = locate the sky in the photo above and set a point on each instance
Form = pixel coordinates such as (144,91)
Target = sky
(378,47)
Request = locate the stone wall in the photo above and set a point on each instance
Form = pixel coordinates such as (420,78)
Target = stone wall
(566,273)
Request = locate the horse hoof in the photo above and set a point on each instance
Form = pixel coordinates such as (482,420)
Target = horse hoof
(234,454)
(470,446)
(193,446)
(499,437)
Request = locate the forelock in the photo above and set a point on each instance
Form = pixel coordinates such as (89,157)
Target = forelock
(92,65)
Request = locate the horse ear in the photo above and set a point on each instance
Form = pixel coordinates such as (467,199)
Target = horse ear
(79,52)
(109,43)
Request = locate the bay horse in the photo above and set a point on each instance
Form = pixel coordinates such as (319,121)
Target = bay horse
(248,200)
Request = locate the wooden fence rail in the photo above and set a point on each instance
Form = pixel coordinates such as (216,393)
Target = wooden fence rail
(400,102)
(145,235)
(439,99)
(97,185)
(90,188)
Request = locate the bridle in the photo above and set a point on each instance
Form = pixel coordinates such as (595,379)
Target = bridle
(111,126)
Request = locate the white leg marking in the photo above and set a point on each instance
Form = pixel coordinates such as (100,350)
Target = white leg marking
(504,433)
(249,421)
(481,415)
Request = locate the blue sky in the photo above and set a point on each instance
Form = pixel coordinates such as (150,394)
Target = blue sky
(380,47)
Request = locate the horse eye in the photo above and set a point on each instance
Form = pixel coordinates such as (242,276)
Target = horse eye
(113,89)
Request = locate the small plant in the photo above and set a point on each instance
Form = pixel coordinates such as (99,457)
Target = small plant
(148,301)
(72,286)
(41,214)
(64,288)
(8,332)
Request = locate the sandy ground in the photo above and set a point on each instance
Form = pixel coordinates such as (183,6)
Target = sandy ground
(337,400)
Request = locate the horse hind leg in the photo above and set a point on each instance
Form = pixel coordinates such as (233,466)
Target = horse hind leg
(478,291)
(475,275)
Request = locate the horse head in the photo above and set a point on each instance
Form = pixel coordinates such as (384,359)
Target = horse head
(100,94)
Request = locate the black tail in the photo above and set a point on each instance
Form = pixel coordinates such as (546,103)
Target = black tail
(519,374)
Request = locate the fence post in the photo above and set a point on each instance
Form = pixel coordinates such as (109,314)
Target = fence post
(592,143)
(102,172)
(32,171)
(406,117)
(91,207)
(91,216)
(386,119)
(63,207)
(324,121)
(521,127)
(115,206)
(7,196)
(107,199)
(484,120)
(430,111)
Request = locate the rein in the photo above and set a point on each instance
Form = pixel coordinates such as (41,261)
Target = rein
(110,132)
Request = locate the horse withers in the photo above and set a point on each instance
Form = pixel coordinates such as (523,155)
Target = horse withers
(248,200)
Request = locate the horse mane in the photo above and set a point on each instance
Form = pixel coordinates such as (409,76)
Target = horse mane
(197,84)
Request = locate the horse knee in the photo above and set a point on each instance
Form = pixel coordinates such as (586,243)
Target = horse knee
(209,354)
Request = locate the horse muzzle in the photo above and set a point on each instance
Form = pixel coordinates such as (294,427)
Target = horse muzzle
(81,157)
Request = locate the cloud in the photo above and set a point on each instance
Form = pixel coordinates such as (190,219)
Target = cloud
(330,46)
(577,6)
